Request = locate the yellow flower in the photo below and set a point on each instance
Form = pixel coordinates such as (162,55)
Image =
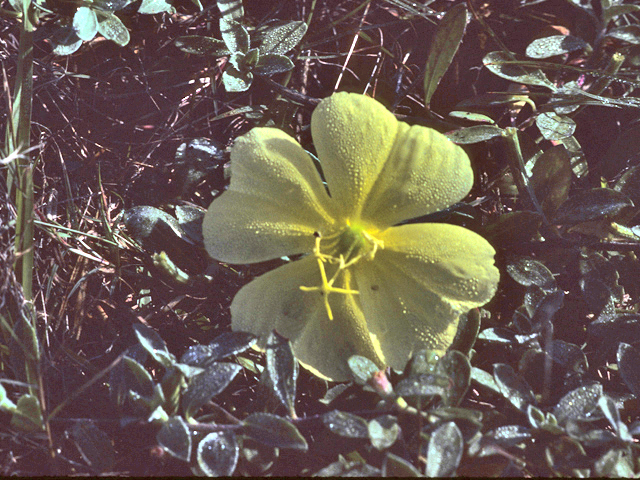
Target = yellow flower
(366,286)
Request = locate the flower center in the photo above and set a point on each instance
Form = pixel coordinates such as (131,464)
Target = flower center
(343,249)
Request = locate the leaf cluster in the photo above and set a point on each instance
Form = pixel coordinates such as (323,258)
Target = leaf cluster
(266,58)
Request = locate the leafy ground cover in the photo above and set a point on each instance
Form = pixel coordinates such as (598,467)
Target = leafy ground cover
(126,363)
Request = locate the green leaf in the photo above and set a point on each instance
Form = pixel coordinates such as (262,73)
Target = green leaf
(629,365)
(231,9)
(627,33)
(172,383)
(485,379)
(616,10)
(396,467)
(509,435)
(444,451)
(492,99)
(6,405)
(282,370)
(137,378)
(218,454)
(456,367)
(629,184)
(346,424)
(502,65)
(443,48)
(151,7)
(610,411)
(154,229)
(85,23)
(271,64)
(362,369)
(424,361)
(578,158)
(527,272)
(190,220)
(553,45)
(513,388)
(348,468)
(175,438)
(235,36)
(554,126)
(94,445)
(65,41)
(236,81)
(206,385)
(111,5)
(225,345)
(475,134)
(580,404)
(333,393)
(273,431)
(198,45)
(467,334)
(591,205)
(247,61)
(551,178)
(27,416)
(424,385)
(112,28)
(154,345)
(278,38)
(616,463)
(513,228)
(383,431)
(472,117)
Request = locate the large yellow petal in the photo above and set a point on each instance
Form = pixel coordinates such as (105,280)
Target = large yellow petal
(353,136)
(275,301)
(425,173)
(274,203)
(415,289)
(383,171)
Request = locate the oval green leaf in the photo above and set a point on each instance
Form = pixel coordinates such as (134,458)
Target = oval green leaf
(475,134)
(553,45)
(273,431)
(554,126)
(503,65)
(218,454)
(175,438)
(112,28)
(346,424)
(591,205)
(85,23)
(204,386)
(444,452)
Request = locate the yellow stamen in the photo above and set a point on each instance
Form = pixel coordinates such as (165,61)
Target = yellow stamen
(326,287)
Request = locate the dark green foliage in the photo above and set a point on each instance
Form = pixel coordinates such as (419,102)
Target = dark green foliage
(175,438)
(281,370)
(94,445)
(543,380)
(271,41)
(273,431)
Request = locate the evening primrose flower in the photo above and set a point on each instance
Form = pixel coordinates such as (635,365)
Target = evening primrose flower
(365,285)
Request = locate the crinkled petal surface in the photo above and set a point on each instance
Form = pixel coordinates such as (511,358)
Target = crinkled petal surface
(381,170)
(275,301)
(414,290)
(274,203)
